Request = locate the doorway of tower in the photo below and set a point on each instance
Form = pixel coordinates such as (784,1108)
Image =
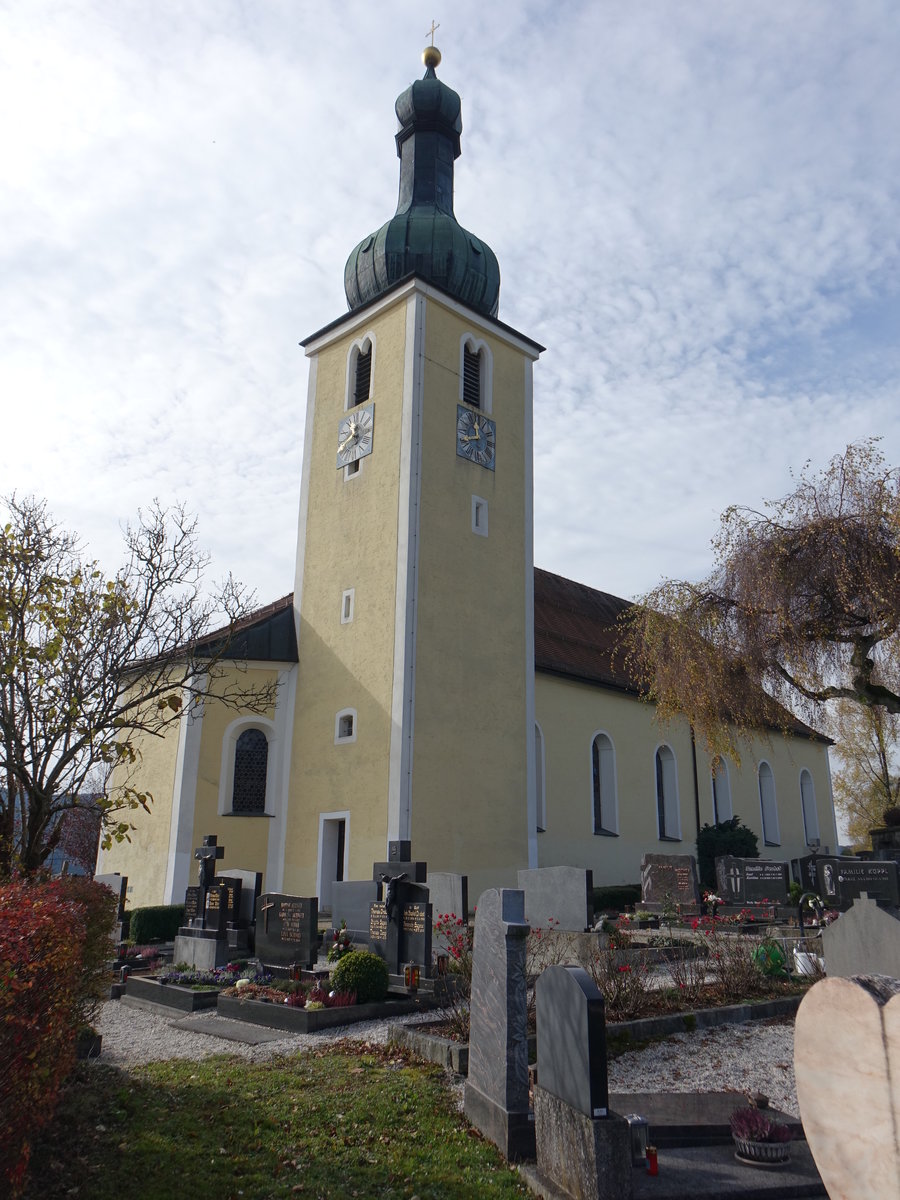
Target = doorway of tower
(333,851)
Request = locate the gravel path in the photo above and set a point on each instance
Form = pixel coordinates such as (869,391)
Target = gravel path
(755,1057)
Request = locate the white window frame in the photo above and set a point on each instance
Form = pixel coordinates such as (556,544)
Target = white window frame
(354,469)
(345,740)
(671,802)
(358,345)
(348,601)
(724,775)
(769,776)
(324,817)
(609,809)
(226,767)
(811,835)
(477,346)
(540,779)
(479,516)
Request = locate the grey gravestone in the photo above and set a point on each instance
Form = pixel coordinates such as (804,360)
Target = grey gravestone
(843,880)
(496,1095)
(117,884)
(449,893)
(864,941)
(287,930)
(581,1147)
(351,900)
(572,1039)
(563,894)
(669,875)
(251,889)
(752,880)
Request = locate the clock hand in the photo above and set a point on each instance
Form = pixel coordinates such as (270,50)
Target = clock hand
(353,435)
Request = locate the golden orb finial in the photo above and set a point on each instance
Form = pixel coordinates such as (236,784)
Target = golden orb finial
(431,56)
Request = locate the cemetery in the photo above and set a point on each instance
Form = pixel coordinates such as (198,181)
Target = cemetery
(530,1012)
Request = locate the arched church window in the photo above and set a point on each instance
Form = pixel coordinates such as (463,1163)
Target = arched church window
(251,757)
(768,806)
(603,785)
(475,371)
(539,781)
(471,378)
(808,806)
(721,793)
(359,371)
(667,814)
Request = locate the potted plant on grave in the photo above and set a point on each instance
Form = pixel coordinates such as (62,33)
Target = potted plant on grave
(760,1139)
(645,919)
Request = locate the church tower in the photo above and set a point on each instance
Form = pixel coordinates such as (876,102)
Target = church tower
(414,707)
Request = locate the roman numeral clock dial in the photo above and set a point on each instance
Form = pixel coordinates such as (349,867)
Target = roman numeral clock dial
(355,435)
(476,437)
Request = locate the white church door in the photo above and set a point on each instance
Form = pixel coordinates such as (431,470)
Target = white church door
(333,851)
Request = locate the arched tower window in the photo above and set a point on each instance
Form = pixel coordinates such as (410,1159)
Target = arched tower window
(721,793)
(359,371)
(605,806)
(667,814)
(768,806)
(251,758)
(539,780)
(808,807)
(475,373)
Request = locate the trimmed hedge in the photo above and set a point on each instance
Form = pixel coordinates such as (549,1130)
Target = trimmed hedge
(155,923)
(618,898)
(363,973)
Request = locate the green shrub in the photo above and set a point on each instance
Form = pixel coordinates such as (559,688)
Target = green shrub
(796,890)
(714,841)
(361,972)
(616,898)
(156,923)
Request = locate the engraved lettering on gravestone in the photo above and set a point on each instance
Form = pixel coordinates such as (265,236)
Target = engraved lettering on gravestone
(414,919)
(191,904)
(378,922)
(291,915)
(212,900)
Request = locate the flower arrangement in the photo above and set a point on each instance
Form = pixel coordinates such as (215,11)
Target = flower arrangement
(752,1125)
(341,945)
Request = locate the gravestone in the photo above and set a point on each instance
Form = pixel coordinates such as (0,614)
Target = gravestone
(202,941)
(287,930)
(351,900)
(449,893)
(250,891)
(400,862)
(806,872)
(846,1065)
(563,894)
(752,880)
(669,876)
(865,941)
(496,1094)
(581,1147)
(118,885)
(400,927)
(843,880)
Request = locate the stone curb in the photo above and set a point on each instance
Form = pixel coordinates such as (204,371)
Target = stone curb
(455,1055)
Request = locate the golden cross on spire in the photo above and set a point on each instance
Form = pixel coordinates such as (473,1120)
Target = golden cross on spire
(432,29)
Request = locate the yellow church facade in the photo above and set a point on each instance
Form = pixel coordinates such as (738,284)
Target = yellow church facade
(432,685)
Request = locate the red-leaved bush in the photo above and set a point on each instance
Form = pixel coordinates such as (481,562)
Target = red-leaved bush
(49,933)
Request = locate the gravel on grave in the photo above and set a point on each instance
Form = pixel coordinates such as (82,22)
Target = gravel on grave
(754,1057)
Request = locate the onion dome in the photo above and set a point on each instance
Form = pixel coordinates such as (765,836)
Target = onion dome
(424,238)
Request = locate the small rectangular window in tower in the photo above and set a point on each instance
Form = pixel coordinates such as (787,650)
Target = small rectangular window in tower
(471,378)
(479,516)
(347,600)
(352,469)
(363,376)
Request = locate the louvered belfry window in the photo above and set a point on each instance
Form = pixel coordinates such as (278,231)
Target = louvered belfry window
(471,378)
(363,376)
(251,757)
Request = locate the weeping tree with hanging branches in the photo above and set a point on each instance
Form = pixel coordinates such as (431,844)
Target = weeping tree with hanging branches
(92,664)
(801,611)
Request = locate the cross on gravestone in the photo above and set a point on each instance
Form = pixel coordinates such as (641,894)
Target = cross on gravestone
(206,856)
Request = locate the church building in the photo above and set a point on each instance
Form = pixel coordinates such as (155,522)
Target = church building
(433,686)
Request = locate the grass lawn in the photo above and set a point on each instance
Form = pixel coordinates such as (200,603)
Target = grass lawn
(348,1120)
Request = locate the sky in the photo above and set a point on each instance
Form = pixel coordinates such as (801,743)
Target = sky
(695,207)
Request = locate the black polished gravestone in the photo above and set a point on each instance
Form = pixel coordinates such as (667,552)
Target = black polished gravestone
(806,872)
(752,880)
(223,906)
(287,930)
(843,880)
(202,940)
(400,927)
(669,877)
(400,862)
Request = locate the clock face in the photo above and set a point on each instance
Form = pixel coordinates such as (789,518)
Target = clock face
(355,434)
(476,437)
